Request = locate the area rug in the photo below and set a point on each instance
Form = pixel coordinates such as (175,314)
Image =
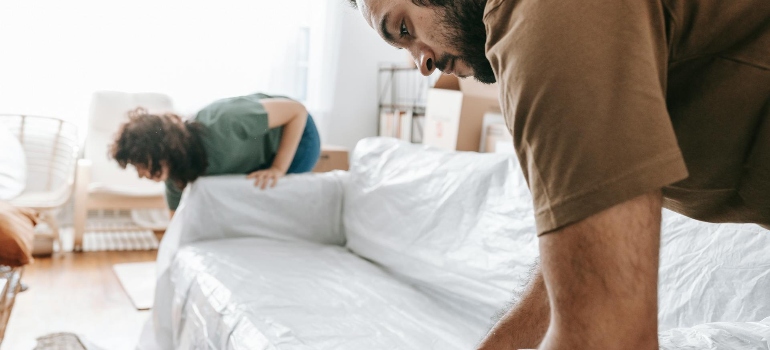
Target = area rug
(138,281)
(118,240)
(63,341)
(113,230)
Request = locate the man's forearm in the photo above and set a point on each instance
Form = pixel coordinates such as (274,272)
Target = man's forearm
(524,325)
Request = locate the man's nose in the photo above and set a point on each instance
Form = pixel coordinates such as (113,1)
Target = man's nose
(425,61)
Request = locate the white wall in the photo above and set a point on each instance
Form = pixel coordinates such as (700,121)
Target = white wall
(353,113)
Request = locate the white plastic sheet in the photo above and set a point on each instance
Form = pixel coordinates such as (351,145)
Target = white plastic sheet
(301,207)
(447,237)
(719,336)
(460,225)
(265,294)
(712,273)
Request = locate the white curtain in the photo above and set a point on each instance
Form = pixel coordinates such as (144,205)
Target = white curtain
(55,54)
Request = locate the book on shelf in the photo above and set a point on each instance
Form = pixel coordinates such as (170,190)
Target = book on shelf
(418,125)
(401,124)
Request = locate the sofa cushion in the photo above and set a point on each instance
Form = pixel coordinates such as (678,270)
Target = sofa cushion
(460,224)
(13,165)
(17,231)
(254,293)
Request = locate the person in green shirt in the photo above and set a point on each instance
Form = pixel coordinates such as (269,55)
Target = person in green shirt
(258,135)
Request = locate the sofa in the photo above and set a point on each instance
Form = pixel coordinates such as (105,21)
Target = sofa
(413,248)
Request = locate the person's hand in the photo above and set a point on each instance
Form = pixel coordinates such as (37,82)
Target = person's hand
(267,177)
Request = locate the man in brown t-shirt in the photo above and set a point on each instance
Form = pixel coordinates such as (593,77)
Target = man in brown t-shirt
(617,109)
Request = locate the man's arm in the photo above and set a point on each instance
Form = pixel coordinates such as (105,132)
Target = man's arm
(524,325)
(601,277)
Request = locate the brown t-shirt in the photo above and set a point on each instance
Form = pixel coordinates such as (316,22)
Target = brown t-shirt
(607,100)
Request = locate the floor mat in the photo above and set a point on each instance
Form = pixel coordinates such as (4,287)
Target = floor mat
(112,230)
(63,341)
(119,240)
(138,281)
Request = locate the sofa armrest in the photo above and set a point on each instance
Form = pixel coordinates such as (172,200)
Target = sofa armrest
(303,207)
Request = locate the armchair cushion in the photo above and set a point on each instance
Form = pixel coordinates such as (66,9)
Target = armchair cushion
(13,165)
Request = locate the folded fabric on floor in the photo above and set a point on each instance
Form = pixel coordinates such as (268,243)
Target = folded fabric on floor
(17,231)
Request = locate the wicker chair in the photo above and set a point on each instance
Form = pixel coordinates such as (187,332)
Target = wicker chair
(10,286)
(51,147)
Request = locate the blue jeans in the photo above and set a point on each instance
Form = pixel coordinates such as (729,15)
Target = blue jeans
(308,150)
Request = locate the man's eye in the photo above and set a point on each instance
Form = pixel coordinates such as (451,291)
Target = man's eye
(403,31)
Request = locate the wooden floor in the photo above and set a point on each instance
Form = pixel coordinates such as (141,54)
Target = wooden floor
(79,293)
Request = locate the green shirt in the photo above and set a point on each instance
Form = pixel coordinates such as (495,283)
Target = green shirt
(237,139)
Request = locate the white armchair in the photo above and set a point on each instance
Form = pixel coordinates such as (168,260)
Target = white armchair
(51,148)
(101,183)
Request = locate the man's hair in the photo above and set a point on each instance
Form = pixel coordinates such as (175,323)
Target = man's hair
(149,140)
(440,3)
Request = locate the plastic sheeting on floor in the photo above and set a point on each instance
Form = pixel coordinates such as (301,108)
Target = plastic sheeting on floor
(415,248)
(719,336)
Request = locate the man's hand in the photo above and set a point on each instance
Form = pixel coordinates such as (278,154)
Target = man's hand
(267,177)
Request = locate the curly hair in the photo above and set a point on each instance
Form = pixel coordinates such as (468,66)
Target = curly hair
(149,140)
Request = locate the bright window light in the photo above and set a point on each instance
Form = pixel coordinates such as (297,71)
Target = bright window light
(55,54)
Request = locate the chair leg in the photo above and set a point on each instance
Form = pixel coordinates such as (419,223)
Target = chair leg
(54,225)
(81,202)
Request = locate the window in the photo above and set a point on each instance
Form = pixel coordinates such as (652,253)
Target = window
(54,54)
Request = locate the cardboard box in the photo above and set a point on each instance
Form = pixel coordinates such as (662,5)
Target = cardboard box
(455,110)
(495,136)
(332,158)
(499,139)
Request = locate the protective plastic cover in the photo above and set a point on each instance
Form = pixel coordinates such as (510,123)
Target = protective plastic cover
(719,336)
(269,294)
(303,208)
(445,239)
(462,225)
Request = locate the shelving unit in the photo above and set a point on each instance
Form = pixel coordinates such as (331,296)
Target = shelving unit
(402,93)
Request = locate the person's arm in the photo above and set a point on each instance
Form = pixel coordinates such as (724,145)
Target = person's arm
(525,324)
(292,115)
(602,278)
(173,197)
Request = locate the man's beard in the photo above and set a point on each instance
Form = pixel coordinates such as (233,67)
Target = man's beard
(463,23)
